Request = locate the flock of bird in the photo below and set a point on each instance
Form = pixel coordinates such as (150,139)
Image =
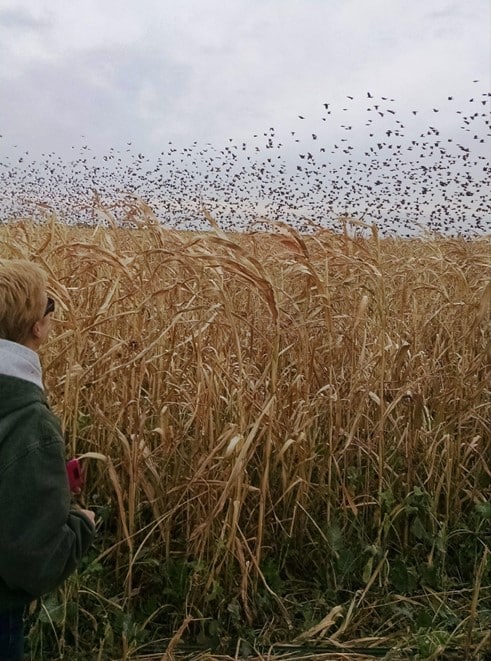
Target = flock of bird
(406,170)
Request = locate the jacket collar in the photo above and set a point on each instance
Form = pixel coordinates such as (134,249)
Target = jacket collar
(21,362)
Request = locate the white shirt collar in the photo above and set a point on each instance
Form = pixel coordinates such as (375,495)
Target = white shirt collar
(20,361)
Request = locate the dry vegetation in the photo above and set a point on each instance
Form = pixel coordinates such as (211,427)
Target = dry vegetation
(296,432)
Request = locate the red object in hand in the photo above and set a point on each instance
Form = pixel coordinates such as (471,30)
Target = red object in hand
(75,475)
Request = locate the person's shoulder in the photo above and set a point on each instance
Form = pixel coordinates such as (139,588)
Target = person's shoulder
(19,393)
(46,423)
(32,432)
(49,424)
(34,420)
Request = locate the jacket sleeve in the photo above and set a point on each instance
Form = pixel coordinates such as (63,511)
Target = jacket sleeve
(41,539)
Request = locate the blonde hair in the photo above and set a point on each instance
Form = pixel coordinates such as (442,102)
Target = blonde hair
(22,298)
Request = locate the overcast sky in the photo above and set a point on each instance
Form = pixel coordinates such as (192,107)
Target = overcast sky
(104,73)
(252,107)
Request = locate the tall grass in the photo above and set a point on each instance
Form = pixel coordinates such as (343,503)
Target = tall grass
(296,431)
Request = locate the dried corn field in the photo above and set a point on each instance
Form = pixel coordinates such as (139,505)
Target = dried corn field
(295,439)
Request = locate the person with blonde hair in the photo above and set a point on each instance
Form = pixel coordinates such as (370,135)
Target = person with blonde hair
(42,536)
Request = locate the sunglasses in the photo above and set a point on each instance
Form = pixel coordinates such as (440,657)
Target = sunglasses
(50,306)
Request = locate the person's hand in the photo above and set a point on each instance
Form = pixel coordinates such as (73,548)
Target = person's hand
(89,514)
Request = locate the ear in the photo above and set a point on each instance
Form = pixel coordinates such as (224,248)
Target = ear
(36,330)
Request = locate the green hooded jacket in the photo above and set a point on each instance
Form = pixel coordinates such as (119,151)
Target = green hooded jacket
(41,538)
